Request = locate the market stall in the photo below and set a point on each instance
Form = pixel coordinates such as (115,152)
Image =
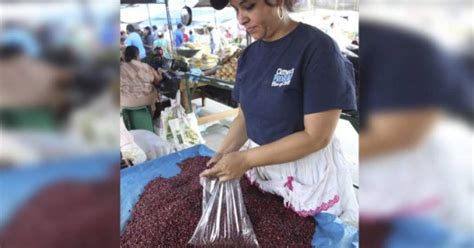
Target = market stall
(165,194)
(194,64)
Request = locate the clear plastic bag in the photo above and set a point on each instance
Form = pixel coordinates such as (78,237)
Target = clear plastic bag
(224,220)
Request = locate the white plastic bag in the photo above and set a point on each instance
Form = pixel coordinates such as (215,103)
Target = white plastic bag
(130,150)
(133,153)
(165,129)
(178,127)
(224,220)
(153,146)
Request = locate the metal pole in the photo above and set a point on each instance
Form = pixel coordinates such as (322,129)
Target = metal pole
(215,19)
(86,12)
(149,17)
(170,27)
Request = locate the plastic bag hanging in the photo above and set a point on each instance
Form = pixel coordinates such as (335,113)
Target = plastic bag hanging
(224,220)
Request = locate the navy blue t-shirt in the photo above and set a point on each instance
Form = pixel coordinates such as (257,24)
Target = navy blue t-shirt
(402,70)
(279,82)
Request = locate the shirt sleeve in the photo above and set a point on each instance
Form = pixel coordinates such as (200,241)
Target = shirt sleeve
(328,81)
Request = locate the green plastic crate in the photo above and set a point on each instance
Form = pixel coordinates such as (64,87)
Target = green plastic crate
(138,118)
(35,118)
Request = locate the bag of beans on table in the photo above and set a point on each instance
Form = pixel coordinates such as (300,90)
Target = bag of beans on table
(224,220)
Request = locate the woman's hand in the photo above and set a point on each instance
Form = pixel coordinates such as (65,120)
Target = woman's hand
(231,166)
(214,159)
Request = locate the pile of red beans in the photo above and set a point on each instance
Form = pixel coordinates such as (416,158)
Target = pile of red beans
(68,214)
(169,210)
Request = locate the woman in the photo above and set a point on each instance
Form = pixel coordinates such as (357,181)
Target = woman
(410,145)
(36,93)
(292,84)
(137,81)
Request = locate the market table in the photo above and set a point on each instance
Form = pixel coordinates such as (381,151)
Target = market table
(190,82)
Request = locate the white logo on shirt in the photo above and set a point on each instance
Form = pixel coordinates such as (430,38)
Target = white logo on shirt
(282,77)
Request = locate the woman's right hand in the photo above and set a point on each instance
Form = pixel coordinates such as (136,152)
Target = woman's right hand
(214,159)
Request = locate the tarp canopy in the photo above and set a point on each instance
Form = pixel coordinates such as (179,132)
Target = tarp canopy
(155,14)
(304,4)
(326,4)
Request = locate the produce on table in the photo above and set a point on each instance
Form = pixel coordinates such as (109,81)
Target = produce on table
(228,71)
(229,50)
(205,62)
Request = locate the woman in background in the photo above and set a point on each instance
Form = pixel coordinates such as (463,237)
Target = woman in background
(137,81)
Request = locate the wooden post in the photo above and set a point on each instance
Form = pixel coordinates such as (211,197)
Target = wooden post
(184,96)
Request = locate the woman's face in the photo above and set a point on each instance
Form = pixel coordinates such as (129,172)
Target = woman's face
(259,19)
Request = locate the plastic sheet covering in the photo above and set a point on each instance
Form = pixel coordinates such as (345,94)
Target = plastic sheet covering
(224,220)
(134,179)
(18,185)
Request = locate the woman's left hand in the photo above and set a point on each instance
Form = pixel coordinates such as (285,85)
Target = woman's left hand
(231,166)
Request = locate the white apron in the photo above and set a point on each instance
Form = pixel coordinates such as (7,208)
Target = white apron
(431,179)
(319,182)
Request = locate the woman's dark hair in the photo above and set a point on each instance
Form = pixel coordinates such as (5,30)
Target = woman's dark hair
(148,29)
(289,4)
(131,52)
(190,32)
